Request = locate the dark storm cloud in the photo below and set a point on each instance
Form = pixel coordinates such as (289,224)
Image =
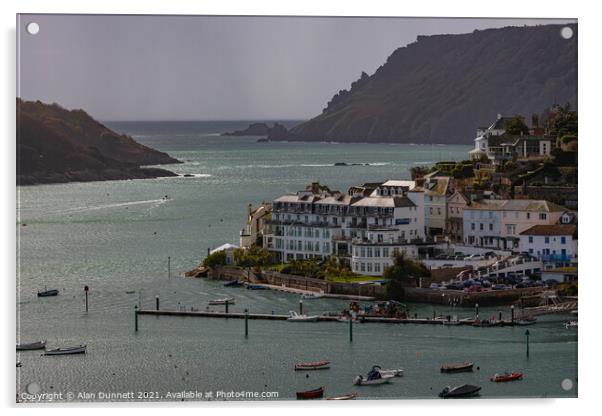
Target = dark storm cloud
(208,68)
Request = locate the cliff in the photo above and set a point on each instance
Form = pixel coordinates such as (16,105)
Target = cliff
(440,88)
(58,145)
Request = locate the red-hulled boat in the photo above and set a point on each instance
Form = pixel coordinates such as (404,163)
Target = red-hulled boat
(311,394)
(498,378)
(314,365)
(456,368)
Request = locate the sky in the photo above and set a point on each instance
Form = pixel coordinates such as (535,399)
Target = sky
(211,67)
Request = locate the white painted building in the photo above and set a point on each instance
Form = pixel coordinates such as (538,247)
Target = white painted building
(497,224)
(555,245)
(376,218)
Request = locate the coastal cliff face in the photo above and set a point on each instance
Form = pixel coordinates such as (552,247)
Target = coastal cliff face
(58,145)
(440,88)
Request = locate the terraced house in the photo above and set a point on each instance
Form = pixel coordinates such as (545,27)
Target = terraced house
(497,224)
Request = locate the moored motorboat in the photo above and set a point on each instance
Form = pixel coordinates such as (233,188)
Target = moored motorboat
(295,317)
(233,283)
(396,372)
(81,349)
(311,394)
(38,345)
(349,396)
(500,378)
(571,324)
(222,301)
(361,381)
(465,390)
(47,292)
(456,367)
(312,295)
(314,365)
(256,287)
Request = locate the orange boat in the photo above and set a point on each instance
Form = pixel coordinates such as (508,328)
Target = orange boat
(498,378)
(311,394)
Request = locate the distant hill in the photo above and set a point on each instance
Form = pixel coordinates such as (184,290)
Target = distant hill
(58,145)
(440,88)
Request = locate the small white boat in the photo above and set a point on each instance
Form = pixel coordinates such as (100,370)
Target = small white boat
(81,349)
(526,322)
(313,295)
(570,324)
(395,372)
(223,301)
(361,381)
(295,317)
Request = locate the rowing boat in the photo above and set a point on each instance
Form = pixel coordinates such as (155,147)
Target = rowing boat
(81,349)
(223,301)
(38,345)
(310,394)
(48,292)
(465,390)
(349,396)
(314,365)
(457,367)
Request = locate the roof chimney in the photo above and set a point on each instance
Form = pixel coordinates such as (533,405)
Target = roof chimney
(499,116)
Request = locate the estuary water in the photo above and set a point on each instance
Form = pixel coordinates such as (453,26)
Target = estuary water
(115,237)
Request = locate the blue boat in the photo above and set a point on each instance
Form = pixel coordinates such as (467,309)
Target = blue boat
(257,287)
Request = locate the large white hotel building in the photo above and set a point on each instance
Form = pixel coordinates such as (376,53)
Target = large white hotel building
(366,226)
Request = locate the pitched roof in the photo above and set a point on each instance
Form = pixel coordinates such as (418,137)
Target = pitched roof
(516,205)
(554,229)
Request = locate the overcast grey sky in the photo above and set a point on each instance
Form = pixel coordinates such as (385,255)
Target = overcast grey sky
(211,68)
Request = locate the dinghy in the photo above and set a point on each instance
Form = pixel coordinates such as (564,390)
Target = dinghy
(465,390)
(257,287)
(229,301)
(38,345)
(361,381)
(48,292)
(233,283)
(311,394)
(397,372)
(314,365)
(349,396)
(309,296)
(81,349)
(456,368)
(500,378)
(571,324)
(295,317)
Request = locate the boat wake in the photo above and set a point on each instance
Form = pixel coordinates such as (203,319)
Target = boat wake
(152,202)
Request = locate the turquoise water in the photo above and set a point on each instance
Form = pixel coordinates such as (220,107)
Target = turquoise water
(116,237)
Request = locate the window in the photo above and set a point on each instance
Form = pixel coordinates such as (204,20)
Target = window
(377,252)
(528,215)
(562,240)
(377,267)
(490,227)
(481,226)
(472,226)
(543,216)
(363,266)
(369,267)
(531,239)
(385,252)
(547,240)
(369,250)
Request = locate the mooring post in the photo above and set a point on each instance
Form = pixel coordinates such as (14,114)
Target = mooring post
(512,313)
(246,323)
(500,316)
(135,318)
(300,306)
(86,292)
(476,310)
(168,267)
(350,329)
(157,302)
(527,334)
(226,305)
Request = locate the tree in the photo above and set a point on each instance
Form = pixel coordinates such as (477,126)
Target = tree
(402,273)
(255,256)
(562,121)
(333,268)
(516,126)
(215,259)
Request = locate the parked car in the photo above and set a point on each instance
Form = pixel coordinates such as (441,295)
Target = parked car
(499,286)
(486,283)
(434,286)
(475,257)
(454,286)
